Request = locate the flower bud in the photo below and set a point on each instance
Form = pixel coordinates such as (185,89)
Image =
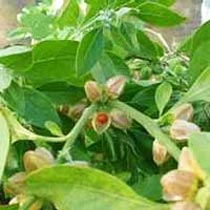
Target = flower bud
(37,159)
(160,154)
(184,112)
(187,162)
(14,183)
(76,111)
(181,129)
(115,86)
(120,119)
(101,122)
(179,185)
(186,205)
(93,91)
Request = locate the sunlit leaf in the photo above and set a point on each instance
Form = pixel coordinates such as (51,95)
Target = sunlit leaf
(89,51)
(158,14)
(4,143)
(162,96)
(73,188)
(199,143)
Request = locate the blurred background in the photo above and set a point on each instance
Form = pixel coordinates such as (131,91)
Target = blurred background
(196,11)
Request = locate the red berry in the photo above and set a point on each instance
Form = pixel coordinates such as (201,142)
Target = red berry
(102,118)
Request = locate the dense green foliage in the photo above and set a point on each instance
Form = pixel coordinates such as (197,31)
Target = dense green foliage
(99,140)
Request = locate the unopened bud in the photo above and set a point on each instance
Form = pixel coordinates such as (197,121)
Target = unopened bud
(76,111)
(37,159)
(160,153)
(186,205)
(181,129)
(14,184)
(101,122)
(187,162)
(120,119)
(93,91)
(179,185)
(184,112)
(115,86)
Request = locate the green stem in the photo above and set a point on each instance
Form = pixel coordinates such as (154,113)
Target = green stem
(71,137)
(152,128)
(19,132)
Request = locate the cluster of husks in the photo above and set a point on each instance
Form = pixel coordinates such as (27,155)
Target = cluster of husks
(181,185)
(101,121)
(180,130)
(111,90)
(33,160)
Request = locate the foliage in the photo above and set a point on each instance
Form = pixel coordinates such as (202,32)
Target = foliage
(82,100)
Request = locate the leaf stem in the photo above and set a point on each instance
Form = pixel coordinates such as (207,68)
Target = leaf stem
(71,137)
(18,132)
(149,124)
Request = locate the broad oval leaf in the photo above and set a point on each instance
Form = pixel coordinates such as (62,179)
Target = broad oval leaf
(89,51)
(137,2)
(162,96)
(73,188)
(4,143)
(32,105)
(17,58)
(53,61)
(202,34)
(147,48)
(200,60)
(199,143)
(158,14)
(200,89)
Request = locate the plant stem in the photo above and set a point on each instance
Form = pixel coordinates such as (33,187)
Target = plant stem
(152,128)
(19,132)
(71,137)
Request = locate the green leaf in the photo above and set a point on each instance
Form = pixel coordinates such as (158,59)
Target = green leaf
(69,15)
(63,93)
(4,143)
(5,78)
(53,61)
(32,105)
(136,3)
(146,47)
(89,51)
(202,34)
(122,38)
(158,14)
(200,89)
(9,207)
(73,188)
(162,96)
(37,23)
(17,58)
(199,143)
(200,60)
(143,187)
(108,66)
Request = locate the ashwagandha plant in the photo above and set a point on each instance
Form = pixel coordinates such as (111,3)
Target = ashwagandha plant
(97,111)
